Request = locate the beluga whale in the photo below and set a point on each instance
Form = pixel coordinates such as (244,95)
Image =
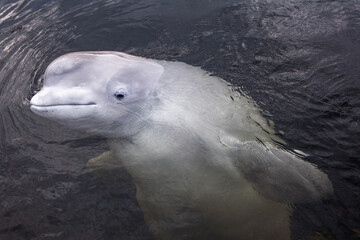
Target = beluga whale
(205,162)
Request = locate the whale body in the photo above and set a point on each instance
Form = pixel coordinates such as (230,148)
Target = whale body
(205,163)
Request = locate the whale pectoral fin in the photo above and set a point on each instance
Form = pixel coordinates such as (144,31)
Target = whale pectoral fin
(280,175)
(104,160)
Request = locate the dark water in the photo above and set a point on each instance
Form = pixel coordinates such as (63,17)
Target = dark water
(299,60)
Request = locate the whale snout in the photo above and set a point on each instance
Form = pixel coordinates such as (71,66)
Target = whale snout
(58,97)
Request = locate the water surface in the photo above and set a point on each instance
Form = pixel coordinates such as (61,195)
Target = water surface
(299,60)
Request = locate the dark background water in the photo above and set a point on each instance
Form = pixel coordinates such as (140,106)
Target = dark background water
(299,60)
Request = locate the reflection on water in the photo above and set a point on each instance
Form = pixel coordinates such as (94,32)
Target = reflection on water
(298,60)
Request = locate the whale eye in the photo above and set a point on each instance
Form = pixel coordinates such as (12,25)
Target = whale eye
(120,94)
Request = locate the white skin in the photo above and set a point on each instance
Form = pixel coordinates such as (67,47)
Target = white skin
(202,157)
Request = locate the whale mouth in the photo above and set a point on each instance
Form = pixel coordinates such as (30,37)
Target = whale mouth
(37,108)
(69,108)
(62,105)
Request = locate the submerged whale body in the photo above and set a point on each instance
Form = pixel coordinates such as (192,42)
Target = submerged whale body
(205,162)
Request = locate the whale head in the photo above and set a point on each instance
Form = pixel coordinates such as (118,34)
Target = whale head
(107,93)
